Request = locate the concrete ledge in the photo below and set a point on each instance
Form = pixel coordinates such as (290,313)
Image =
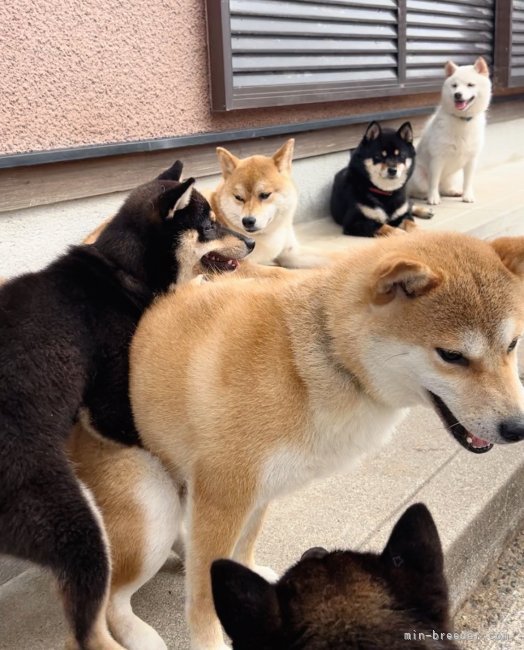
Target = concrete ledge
(31,238)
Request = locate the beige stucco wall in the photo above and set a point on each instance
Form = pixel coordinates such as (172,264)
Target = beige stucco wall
(95,71)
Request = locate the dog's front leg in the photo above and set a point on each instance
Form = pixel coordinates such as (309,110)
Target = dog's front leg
(468,195)
(245,548)
(217,513)
(436,166)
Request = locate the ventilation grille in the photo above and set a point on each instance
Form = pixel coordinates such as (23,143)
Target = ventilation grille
(438,31)
(517,41)
(290,43)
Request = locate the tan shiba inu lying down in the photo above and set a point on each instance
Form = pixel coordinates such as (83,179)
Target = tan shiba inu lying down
(247,390)
(257,196)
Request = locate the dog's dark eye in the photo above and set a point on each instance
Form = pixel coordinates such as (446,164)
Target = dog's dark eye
(208,227)
(513,344)
(239,198)
(450,356)
(454,85)
(264,195)
(471,85)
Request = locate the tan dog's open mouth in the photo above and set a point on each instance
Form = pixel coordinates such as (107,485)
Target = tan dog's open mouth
(467,439)
(214,261)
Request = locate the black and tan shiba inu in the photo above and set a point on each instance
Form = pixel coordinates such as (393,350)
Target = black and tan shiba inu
(344,600)
(369,195)
(64,339)
(248,390)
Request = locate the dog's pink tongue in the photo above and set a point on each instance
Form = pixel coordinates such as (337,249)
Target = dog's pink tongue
(461,105)
(477,442)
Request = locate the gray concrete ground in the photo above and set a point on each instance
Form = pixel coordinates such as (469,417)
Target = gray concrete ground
(476,500)
(493,616)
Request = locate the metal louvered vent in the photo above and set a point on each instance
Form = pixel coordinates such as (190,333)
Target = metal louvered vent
(517,42)
(277,52)
(438,31)
(285,43)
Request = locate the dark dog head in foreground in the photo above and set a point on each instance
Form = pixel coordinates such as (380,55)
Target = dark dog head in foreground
(385,156)
(178,233)
(342,599)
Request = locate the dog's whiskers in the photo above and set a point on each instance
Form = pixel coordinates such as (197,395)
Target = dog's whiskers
(400,354)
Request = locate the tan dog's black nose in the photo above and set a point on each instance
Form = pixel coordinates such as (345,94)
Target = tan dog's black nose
(249,222)
(250,243)
(512,430)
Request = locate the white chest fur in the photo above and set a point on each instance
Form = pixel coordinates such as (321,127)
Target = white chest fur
(269,244)
(334,442)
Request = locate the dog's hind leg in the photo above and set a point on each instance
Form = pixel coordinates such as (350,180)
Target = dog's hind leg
(468,195)
(51,520)
(436,166)
(450,185)
(127,627)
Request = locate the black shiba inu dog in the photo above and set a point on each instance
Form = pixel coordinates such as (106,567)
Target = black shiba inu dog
(369,195)
(344,600)
(64,338)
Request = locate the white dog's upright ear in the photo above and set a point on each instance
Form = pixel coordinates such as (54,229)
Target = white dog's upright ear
(481,67)
(284,156)
(450,68)
(511,252)
(228,162)
(404,277)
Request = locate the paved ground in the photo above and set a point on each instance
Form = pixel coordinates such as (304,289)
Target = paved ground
(494,614)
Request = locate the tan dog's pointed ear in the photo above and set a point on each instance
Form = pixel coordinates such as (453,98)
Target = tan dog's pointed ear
(481,66)
(400,276)
(284,156)
(511,252)
(228,162)
(450,68)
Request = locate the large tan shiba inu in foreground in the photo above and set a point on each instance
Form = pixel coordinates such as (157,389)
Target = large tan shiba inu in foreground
(258,196)
(249,389)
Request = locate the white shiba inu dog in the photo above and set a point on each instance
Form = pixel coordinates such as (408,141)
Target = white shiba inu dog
(454,135)
(248,389)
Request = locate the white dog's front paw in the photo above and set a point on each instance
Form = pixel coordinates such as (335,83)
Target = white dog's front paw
(266,572)
(468,197)
(434,198)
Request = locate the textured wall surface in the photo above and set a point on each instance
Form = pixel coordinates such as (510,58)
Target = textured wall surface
(97,71)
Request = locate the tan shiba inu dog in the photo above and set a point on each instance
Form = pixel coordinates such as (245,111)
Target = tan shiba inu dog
(247,390)
(257,195)
(454,136)
(141,509)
